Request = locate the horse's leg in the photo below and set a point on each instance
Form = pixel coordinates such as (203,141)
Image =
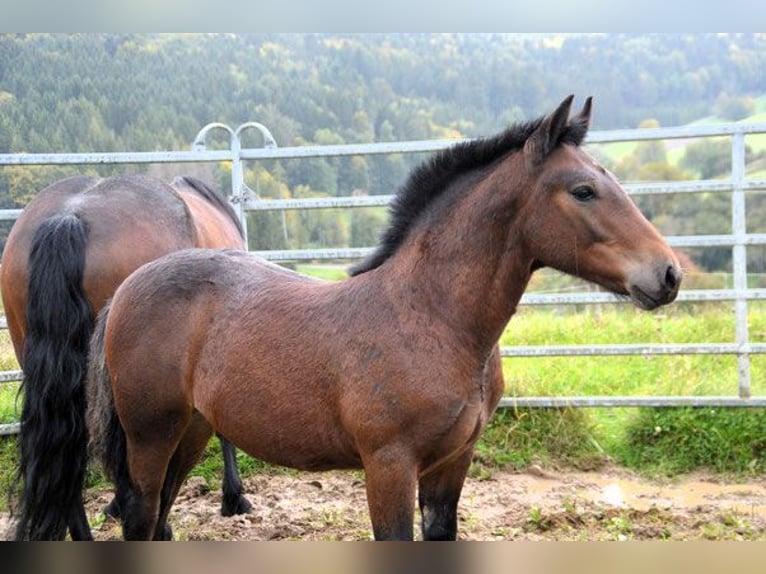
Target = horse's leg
(187,454)
(391,480)
(79,528)
(438,495)
(150,446)
(140,502)
(233,501)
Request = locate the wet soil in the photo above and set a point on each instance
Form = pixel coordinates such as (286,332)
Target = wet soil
(611,504)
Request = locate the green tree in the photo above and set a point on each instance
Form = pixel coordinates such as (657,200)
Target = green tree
(734,108)
(319,227)
(710,157)
(366,225)
(267,229)
(24,182)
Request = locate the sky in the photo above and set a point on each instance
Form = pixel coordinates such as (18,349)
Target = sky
(382,16)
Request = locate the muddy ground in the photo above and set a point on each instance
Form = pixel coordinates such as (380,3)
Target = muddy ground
(611,504)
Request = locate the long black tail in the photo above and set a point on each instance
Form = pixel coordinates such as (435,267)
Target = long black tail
(53,438)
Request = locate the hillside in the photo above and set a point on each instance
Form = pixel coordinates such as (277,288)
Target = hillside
(144,92)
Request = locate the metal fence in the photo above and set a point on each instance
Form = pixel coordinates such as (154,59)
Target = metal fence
(244,200)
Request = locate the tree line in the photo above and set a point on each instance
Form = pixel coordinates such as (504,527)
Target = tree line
(145,92)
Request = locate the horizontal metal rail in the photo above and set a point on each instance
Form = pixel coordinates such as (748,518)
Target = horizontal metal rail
(641,349)
(9,429)
(664,188)
(603,401)
(377,148)
(632,349)
(329,253)
(10,376)
(110,158)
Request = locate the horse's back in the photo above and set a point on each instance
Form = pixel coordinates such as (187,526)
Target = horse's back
(112,209)
(129,220)
(189,275)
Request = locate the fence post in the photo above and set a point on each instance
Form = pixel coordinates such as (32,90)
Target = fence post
(739,263)
(240,190)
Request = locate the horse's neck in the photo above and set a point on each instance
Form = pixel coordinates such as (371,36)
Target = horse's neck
(213,228)
(470,268)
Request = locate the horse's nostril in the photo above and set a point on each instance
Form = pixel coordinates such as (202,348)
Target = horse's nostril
(672,277)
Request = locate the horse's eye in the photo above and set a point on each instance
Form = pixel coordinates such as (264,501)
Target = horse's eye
(583,193)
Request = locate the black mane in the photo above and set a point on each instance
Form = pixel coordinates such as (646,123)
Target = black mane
(430,179)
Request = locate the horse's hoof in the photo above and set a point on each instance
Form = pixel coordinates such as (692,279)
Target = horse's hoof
(240,505)
(112,509)
(167,533)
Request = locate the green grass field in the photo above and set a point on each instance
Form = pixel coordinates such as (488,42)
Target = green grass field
(631,375)
(723,440)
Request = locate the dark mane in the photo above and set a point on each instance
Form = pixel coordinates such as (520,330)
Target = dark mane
(212,196)
(428,181)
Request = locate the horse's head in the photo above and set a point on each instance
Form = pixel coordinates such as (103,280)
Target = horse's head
(578,219)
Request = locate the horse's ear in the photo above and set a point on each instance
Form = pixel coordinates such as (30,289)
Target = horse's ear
(582,120)
(544,139)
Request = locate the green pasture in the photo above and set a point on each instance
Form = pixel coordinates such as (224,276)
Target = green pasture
(651,440)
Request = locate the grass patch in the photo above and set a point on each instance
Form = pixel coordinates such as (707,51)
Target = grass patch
(629,375)
(516,438)
(678,440)
(329,272)
(651,441)
(8,465)
(10,407)
(722,440)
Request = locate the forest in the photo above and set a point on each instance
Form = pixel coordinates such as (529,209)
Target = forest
(147,92)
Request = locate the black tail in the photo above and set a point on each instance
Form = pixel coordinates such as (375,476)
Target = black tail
(107,439)
(53,438)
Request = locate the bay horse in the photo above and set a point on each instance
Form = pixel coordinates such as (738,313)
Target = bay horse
(70,248)
(394,369)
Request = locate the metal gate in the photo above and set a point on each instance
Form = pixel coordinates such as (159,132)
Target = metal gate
(737,185)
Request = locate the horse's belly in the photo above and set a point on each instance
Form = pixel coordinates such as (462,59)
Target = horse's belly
(308,453)
(291,442)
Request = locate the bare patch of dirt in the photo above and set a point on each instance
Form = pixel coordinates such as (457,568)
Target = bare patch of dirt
(610,504)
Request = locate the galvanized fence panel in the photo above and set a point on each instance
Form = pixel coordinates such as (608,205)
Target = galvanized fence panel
(244,200)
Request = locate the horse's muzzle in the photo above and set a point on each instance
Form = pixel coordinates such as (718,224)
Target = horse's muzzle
(654,289)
